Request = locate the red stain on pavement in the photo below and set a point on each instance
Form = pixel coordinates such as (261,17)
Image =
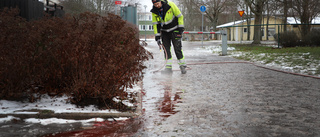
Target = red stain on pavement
(107,128)
(167,105)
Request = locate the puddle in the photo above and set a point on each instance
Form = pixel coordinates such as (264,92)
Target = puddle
(159,102)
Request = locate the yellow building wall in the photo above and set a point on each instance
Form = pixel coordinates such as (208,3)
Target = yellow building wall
(235,33)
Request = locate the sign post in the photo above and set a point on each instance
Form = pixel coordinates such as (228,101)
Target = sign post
(117,3)
(241,14)
(145,26)
(202,9)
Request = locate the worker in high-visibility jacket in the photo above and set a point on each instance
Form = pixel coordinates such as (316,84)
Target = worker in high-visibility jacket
(168,27)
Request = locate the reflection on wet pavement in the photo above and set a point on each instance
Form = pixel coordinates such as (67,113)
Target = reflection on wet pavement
(166,105)
(159,102)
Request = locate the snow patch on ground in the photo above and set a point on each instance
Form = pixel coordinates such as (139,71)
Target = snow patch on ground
(281,62)
(8,118)
(61,121)
(56,104)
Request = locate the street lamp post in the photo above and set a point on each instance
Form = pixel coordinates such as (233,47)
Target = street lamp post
(145,22)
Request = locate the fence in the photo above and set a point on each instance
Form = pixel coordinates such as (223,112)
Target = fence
(270,31)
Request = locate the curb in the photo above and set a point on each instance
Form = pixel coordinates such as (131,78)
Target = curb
(75,116)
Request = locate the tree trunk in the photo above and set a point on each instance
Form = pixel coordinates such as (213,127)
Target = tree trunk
(285,13)
(248,22)
(305,19)
(256,6)
(214,25)
(257,29)
(234,22)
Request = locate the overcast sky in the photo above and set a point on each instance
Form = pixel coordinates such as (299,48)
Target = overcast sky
(145,2)
(142,2)
(149,4)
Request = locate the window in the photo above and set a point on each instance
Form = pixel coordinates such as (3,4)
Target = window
(150,17)
(271,32)
(143,27)
(150,27)
(262,32)
(140,17)
(245,30)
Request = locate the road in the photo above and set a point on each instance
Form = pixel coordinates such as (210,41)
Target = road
(227,99)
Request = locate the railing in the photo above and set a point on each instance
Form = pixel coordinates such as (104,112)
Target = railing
(223,33)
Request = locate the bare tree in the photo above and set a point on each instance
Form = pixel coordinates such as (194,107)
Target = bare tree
(257,7)
(248,18)
(306,10)
(271,10)
(95,6)
(101,7)
(191,14)
(214,8)
(286,7)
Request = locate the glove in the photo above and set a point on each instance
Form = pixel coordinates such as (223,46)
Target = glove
(159,42)
(158,39)
(181,30)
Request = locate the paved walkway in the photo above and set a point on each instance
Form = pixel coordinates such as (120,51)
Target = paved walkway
(228,99)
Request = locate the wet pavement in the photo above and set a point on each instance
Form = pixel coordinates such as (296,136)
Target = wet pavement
(228,99)
(219,96)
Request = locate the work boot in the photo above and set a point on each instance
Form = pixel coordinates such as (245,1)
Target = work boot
(183,69)
(167,71)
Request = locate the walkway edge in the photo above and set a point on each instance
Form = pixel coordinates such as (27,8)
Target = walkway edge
(83,116)
(73,116)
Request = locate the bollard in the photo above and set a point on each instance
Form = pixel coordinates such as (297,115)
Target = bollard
(224,42)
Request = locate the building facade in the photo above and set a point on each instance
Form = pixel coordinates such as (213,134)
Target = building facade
(145,25)
(238,30)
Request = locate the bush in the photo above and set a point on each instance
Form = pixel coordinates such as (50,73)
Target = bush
(313,38)
(85,57)
(288,39)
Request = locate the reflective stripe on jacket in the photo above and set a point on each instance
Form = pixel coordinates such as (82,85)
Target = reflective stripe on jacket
(172,18)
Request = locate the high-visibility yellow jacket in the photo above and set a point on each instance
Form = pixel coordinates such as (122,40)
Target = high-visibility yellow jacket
(170,20)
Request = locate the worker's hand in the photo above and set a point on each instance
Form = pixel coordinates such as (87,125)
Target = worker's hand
(181,30)
(158,39)
(159,42)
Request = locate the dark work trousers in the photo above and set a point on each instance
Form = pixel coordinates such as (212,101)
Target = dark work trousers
(167,38)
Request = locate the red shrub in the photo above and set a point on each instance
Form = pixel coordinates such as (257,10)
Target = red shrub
(88,56)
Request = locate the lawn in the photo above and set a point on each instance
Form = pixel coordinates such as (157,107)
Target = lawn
(304,60)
